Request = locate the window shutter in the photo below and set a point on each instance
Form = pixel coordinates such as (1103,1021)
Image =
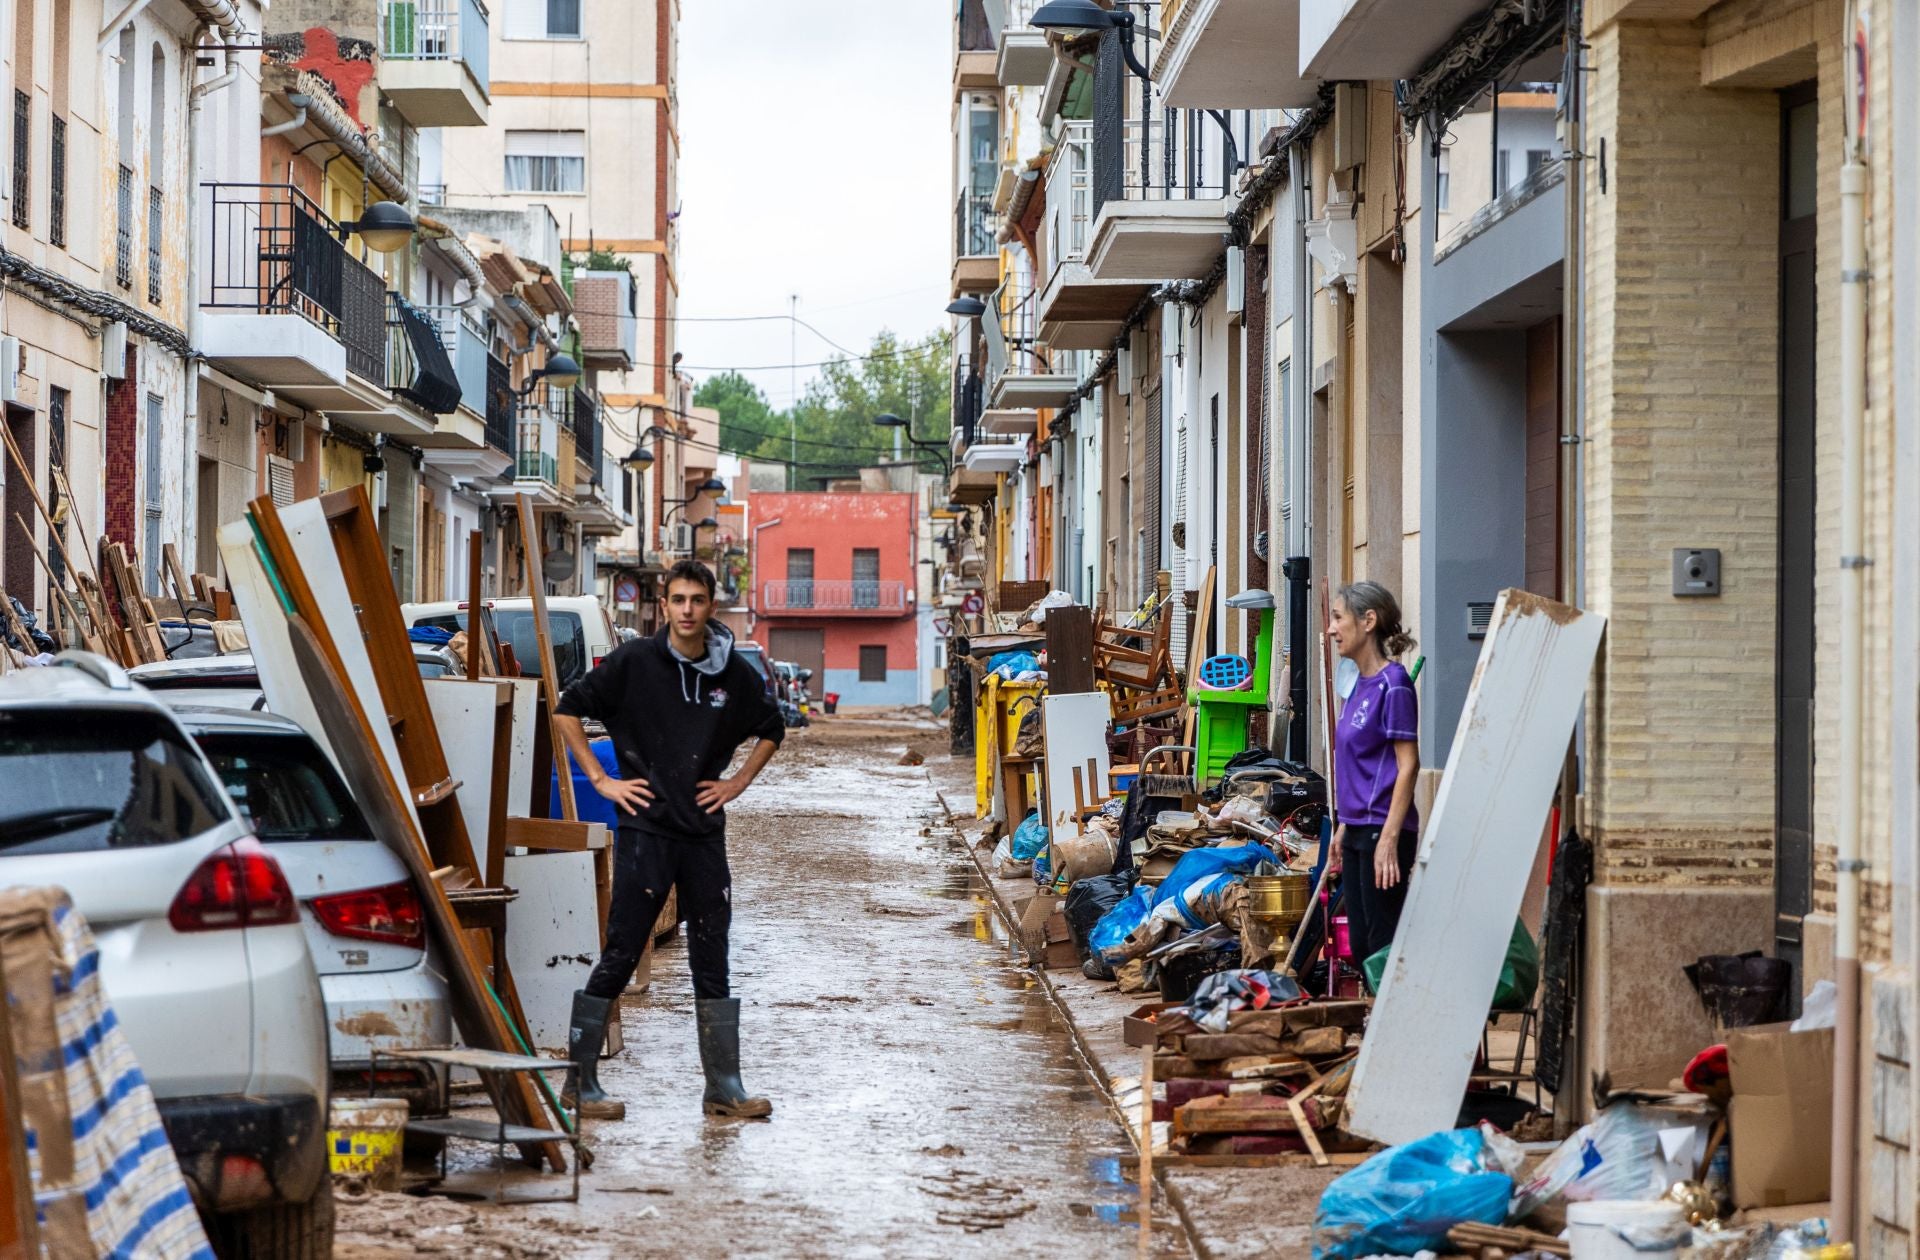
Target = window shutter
(280,480)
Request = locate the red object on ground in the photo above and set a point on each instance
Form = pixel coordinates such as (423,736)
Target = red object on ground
(1707,1074)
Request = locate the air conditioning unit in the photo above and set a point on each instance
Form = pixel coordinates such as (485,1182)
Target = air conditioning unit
(10,365)
(676,539)
(113,351)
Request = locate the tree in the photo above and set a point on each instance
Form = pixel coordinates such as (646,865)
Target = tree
(745,418)
(835,430)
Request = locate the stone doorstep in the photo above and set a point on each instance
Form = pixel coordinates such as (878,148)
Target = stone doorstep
(1227,1212)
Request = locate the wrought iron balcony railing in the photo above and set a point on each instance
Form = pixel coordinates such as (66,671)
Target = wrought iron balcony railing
(873,598)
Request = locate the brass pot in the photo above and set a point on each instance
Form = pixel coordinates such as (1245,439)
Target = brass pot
(1279,901)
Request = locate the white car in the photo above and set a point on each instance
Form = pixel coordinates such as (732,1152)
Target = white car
(366,926)
(202,952)
(233,682)
(583,634)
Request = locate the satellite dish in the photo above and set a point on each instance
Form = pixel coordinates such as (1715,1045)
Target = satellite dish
(559,566)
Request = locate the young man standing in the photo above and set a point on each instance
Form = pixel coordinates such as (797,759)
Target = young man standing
(677,705)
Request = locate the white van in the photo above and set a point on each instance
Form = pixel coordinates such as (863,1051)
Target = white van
(582,632)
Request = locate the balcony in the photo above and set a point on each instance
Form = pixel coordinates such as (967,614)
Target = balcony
(973,52)
(1019,377)
(992,453)
(1161,212)
(273,291)
(833,599)
(1377,39)
(1241,54)
(605,304)
(536,465)
(418,368)
(976,251)
(1024,58)
(434,61)
(1075,310)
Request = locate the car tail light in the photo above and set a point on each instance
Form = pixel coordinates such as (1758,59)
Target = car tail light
(391,915)
(597,660)
(239,886)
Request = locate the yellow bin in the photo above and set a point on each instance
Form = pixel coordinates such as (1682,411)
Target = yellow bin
(365,1139)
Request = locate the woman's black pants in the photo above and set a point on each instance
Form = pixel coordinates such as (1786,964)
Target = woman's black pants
(1373,912)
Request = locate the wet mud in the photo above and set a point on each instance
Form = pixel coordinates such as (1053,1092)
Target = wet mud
(927,1098)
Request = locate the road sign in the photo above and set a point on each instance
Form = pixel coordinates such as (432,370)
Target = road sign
(972,605)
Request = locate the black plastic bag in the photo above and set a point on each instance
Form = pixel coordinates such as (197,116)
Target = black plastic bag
(1088,902)
(1741,990)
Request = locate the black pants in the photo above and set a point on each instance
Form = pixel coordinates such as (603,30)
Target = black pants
(1373,912)
(646,868)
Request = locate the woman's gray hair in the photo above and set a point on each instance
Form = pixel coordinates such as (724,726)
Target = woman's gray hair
(1362,598)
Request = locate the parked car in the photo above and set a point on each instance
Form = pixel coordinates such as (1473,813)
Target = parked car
(365,923)
(232,681)
(583,634)
(202,952)
(755,655)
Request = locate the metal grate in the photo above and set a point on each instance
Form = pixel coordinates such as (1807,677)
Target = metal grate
(57,187)
(1479,619)
(363,320)
(156,215)
(22,146)
(123,232)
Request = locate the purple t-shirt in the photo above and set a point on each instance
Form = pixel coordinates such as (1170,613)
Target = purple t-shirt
(1381,710)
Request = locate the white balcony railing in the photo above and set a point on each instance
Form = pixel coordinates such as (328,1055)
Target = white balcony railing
(436,30)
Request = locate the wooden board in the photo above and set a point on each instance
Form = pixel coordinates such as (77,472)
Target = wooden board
(463,712)
(526,728)
(1070,650)
(553,938)
(1475,851)
(543,633)
(556,835)
(1076,733)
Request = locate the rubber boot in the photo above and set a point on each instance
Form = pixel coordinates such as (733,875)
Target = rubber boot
(586,1034)
(719,1020)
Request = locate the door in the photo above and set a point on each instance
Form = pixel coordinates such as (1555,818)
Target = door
(18,569)
(866,577)
(1794,652)
(806,648)
(799,577)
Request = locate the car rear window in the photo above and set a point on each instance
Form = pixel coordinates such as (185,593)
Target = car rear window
(515,627)
(198,679)
(82,781)
(286,786)
(752,657)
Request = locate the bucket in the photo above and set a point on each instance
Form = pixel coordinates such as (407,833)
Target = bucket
(1621,1229)
(365,1139)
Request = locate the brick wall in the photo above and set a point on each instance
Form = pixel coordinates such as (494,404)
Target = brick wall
(122,459)
(1681,271)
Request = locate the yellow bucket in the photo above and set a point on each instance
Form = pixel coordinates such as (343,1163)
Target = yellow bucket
(365,1139)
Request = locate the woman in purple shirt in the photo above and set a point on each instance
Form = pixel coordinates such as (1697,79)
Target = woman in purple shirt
(1376,759)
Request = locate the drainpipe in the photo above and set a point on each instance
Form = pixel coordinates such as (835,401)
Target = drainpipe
(1849,866)
(229,28)
(753,604)
(1298,566)
(300,101)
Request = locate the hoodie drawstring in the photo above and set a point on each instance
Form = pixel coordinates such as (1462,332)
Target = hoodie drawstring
(695,697)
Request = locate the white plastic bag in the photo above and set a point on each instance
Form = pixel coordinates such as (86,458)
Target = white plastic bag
(1817,1011)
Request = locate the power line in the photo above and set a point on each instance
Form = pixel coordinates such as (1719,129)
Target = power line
(782,367)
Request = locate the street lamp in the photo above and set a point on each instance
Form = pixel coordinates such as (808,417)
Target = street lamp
(385,226)
(561,372)
(638,460)
(887,420)
(967,307)
(1080,17)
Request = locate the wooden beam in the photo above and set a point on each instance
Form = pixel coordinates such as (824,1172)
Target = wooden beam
(474,634)
(555,835)
(543,634)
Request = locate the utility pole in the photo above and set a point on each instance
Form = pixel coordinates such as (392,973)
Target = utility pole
(793,391)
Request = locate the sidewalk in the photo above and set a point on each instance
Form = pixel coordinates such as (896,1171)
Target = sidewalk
(1230,1213)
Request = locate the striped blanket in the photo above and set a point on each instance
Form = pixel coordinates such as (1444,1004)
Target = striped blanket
(104,1178)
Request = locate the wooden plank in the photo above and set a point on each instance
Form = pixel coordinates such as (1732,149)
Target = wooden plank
(474,636)
(380,797)
(543,633)
(170,565)
(526,729)
(1307,1135)
(1146,1139)
(1476,850)
(464,714)
(492,841)
(555,835)
(1070,650)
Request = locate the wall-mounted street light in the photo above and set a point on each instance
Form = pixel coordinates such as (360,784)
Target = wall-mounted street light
(385,226)
(887,420)
(638,460)
(967,307)
(561,372)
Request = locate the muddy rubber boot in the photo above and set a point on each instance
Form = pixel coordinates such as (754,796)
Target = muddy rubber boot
(586,1034)
(719,1020)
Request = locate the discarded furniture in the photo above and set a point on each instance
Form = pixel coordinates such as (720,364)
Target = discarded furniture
(493,1066)
(1221,718)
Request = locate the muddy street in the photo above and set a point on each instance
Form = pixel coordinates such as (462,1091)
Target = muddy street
(928,1101)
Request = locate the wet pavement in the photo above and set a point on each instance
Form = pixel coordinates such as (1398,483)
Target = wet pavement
(928,1100)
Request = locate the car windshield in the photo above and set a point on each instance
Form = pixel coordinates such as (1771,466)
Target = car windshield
(569,642)
(80,781)
(286,786)
(752,657)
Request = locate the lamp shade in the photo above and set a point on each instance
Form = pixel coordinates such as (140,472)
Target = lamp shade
(561,371)
(1072,15)
(386,227)
(887,420)
(707,522)
(967,307)
(638,460)
(713,485)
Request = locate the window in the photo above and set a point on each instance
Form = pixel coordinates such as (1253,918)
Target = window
(22,145)
(800,577)
(542,19)
(563,19)
(1500,166)
(57,185)
(515,627)
(547,161)
(1442,192)
(78,784)
(1537,158)
(873,662)
(866,577)
(285,786)
(156,162)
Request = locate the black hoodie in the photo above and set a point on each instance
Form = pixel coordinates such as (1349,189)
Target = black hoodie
(676,723)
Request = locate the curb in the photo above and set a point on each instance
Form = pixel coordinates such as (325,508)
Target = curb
(1095,1069)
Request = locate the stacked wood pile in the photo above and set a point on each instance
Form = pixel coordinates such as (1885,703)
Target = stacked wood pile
(1272,1084)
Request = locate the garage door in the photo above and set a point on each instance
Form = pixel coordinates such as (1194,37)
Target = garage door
(805,648)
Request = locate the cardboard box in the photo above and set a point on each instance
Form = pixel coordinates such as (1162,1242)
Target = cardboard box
(1781,1116)
(1139,1029)
(1044,933)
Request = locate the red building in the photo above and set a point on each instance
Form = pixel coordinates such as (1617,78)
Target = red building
(833,590)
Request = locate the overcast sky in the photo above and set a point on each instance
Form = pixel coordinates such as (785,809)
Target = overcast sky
(814,153)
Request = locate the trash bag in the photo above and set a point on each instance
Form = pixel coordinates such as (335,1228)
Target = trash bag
(1519,974)
(1215,998)
(1405,1199)
(1010,665)
(1741,991)
(1029,838)
(1620,1155)
(1109,936)
(1089,901)
(39,640)
(1203,864)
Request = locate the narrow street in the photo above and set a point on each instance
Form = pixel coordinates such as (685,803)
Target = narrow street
(928,1101)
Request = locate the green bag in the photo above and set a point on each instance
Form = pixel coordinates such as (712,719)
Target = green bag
(1519,974)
